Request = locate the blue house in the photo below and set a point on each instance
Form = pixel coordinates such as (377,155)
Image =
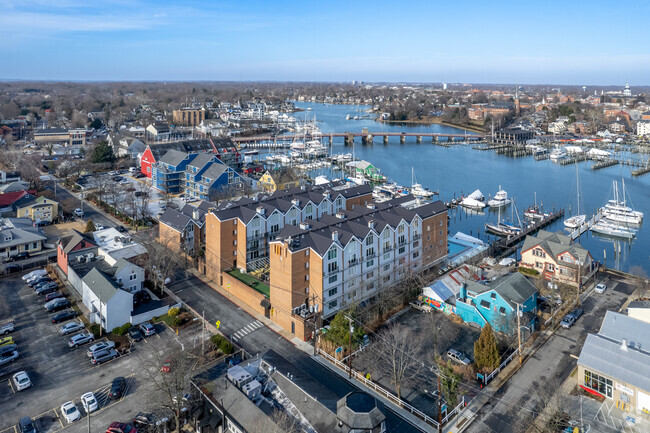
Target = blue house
(496,302)
(198,175)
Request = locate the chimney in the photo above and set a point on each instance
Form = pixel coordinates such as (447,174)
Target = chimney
(371,224)
(260,210)
(340,215)
(371,206)
(296,202)
(335,236)
(624,345)
(304,226)
(196,215)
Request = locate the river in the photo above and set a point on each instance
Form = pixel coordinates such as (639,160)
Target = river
(459,169)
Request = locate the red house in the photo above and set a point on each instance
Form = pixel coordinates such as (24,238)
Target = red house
(155,151)
(74,241)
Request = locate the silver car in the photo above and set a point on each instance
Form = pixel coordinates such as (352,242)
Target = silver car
(457,356)
(71,327)
(99,346)
(79,339)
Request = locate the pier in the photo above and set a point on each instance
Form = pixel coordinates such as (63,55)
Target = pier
(604,164)
(641,171)
(367,137)
(533,228)
(586,226)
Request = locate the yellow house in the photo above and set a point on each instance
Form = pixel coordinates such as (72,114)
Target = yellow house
(39,210)
(279,179)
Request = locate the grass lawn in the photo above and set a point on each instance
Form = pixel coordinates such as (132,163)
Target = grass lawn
(251,282)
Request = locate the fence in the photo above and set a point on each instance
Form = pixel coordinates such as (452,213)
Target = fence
(41,262)
(490,376)
(385,393)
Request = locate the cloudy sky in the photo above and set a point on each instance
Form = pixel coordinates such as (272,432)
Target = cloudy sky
(562,42)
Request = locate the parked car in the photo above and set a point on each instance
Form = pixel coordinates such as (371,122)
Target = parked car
(103,356)
(99,346)
(64,315)
(11,268)
(568,321)
(33,274)
(21,380)
(78,213)
(26,425)
(53,295)
(6,358)
(8,348)
(144,421)
(139,175)
(19,256)
(121,229)
(141,297)
(458,356)
(135,334)
(576,313)
(99,226)
(71,327)
(600,288)
(39,281)
(120,427)
(57,304)
(70,412)
(6,340)
(47,288)
(79,339)
(147,329)
(117,178)
(89,402)
(7,328)
(166,366)
(117,388)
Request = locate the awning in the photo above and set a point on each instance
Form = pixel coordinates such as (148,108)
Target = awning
(265,303)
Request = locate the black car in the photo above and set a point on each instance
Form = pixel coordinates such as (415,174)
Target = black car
(26,425)
(47,289)
(139,175)
(135,334)
(19,256)
(121,229)
(141,297)
(38,281)
(10,269)
(117,388)
(58,306)
(64,315)
(576,313)
(8,348)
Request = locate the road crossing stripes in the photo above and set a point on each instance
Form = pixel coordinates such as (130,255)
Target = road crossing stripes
(251,327)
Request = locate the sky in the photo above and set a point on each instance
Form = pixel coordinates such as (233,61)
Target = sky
(536,42)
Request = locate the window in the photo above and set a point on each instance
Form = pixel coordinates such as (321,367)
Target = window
(331,254)
(493,295)
(370,274)
(307,265)
(370,286)
(370,263)
(386,234)
(539,253)
(369,240)
(339,202)
(598,383)
(332,267)
(333,303)
(416,223)
(539,265)
(550,267)
(132,277)
(485,304)
(307,277)
(386,278)
(370,252)
(309,209)
(401,250)
(333,291)
(400,229)
(307,290)
(386,267)
(416,254)
(333,278)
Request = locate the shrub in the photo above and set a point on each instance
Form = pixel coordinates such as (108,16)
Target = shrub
(221,343)
(177,321)
(95,329)
(121,330)
(173,312)
(528,271)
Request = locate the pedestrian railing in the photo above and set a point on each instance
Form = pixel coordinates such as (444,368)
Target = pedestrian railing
(490,376)
(383,392)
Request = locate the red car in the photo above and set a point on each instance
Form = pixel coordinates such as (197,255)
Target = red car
(166,367)
(120,427)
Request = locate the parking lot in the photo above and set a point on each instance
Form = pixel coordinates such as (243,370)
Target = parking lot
(58,373)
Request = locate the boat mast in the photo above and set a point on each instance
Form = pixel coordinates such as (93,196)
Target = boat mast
(578,186)
(514,205)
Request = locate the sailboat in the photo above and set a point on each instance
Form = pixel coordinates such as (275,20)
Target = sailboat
(617,210)
(577,220)
(504,229)
(417,189)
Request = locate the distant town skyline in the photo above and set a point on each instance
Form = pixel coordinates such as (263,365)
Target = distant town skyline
(565,43)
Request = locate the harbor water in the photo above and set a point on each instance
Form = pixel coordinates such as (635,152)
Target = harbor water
(459,170)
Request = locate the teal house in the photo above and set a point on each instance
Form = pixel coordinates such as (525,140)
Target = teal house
(496,302)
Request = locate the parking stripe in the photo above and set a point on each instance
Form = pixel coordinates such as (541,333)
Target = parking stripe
(11,385)
(58,417)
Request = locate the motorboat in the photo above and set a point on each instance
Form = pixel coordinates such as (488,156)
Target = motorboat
(500,199)
(557,155)
(610,229)
(417,189)
(475,200)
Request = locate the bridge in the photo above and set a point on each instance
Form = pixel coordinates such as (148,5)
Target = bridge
(366,137)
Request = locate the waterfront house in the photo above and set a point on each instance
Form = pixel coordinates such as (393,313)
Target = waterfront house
(367,170)
(557,258)
(496,302)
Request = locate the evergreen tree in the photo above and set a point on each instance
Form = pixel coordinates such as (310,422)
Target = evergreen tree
(340,330)
(449,381)
(103,153)
(90,227)
(486,353)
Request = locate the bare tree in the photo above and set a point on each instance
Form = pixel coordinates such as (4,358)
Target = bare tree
(162,262)
(442,332)
(143,195)
(113,195)
(396,350)
(168,370)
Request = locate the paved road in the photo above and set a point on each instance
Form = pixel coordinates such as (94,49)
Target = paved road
(65,197)
(521,398)
(238,324)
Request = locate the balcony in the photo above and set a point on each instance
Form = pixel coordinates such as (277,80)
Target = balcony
(353,262)
(416,237)
(330,273)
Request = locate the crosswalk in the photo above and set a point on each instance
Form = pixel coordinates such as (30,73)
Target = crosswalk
(247,330)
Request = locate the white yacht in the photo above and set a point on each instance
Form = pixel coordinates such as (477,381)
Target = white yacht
(558,154)
(607,228)
(500,199)
(417,189)
(617,210)
(475,200)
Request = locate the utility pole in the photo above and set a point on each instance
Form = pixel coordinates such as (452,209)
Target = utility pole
(519,330)
(439,405)
(203,333)
(88,416)
(350,347)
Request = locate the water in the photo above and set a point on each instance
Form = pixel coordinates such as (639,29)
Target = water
(460,170)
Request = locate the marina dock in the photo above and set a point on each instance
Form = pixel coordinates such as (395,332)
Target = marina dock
(533,228)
